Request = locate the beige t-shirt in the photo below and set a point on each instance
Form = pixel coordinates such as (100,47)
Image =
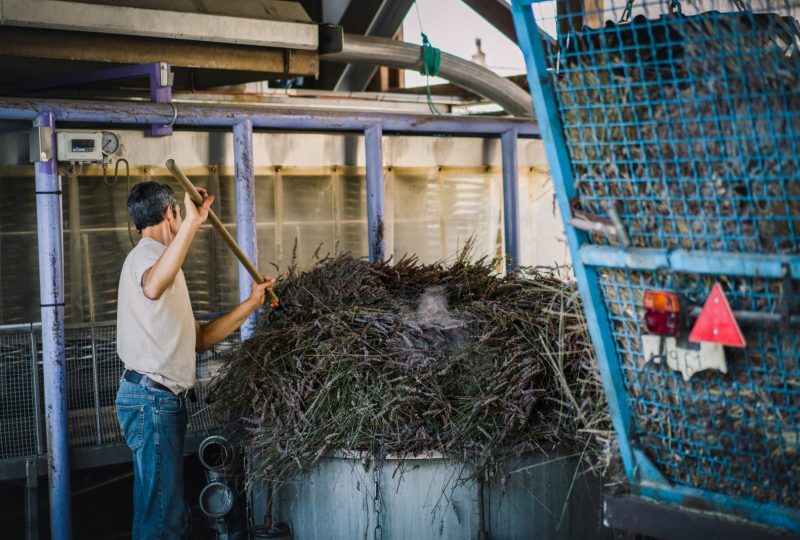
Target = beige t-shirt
(155,337)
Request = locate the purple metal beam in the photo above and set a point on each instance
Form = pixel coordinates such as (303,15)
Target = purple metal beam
(245,212)
(160,92)
(159,74)
(197,115)
(51,287)
(510,198)
(373,138)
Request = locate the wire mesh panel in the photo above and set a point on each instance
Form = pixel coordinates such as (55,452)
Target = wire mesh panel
(674,152)
(18,435)
(93,374)
(83,404)
(736,432)
(686,121)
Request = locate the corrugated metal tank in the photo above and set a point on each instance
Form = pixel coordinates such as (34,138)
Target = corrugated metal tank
(546,496)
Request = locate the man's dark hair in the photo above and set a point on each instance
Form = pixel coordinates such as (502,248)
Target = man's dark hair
(147,202)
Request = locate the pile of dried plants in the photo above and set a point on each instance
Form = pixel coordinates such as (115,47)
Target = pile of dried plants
(406,358)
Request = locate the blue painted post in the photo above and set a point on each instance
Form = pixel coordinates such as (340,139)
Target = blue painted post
(51,287)
(245,212)
(510,198)
(373,137)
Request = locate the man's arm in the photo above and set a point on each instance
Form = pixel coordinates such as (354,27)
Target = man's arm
(160,276)
(211,333)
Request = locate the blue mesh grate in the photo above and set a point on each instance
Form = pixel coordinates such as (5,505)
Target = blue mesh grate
(679,123)
(687,124)
(736,433)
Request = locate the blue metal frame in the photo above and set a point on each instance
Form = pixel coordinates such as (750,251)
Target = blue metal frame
(693,262)
(245,183)
(642,473)
(51,286)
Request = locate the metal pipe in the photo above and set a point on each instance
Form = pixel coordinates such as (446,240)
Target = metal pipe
(756,318)
(350,48)
(510,199)
(245,213)
(31,498)
(75,258)
(373,138)
(51,285)
(199,114)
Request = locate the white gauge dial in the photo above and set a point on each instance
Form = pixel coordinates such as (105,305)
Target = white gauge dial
(110,143)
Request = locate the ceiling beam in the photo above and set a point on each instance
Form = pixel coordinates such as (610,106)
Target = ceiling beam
(497,13)
(377,18)
(122,49)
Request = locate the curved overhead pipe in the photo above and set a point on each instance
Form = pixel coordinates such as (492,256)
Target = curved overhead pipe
(336,46)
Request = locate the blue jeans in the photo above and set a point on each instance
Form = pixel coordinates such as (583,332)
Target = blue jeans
(154,425)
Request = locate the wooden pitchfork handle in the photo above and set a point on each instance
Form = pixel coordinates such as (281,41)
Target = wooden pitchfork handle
(217,224)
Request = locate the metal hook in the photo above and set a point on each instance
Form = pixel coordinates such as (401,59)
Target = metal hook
(174,114)
(626,13)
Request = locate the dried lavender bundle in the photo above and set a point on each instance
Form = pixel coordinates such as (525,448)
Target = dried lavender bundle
(398,359)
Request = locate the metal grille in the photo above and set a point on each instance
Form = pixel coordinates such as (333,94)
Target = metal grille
(674,143)
(667,119)
(93,372)
(737,432)
(18,436)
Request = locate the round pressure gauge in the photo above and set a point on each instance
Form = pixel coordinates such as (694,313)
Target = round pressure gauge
(110,143)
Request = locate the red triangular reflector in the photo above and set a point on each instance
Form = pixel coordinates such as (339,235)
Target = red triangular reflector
(716,323)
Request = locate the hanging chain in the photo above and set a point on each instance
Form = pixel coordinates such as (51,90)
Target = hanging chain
(377,501)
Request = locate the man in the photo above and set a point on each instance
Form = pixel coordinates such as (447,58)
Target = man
(157,337)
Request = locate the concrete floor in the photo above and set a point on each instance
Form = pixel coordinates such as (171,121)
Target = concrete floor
(102,504)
